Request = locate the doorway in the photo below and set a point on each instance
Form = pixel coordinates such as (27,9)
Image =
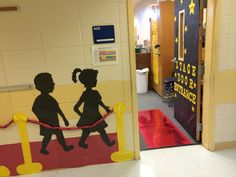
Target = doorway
(171,90)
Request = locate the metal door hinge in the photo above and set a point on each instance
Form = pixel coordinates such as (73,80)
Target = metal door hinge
(201,70)
(199,127)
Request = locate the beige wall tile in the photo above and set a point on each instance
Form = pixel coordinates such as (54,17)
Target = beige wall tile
(233,7)
(5,102)
(124,33)
(23,59)
(19,39)
(22,99)
(232,61)
(232,42)
(126,72)
(59,25)
(68,93)
(88,58)
(225,25)
(25,18)
(109,72)
(22,77)
(96,13)
(38,3)
(61,37)
(224,111)
(111,89)
(1,63)
(123,12)
(233,24)
(226,7)
(62,75)
(3,82)
(127,89)
(125,53)
(6,116)
(95,1)
(67,56)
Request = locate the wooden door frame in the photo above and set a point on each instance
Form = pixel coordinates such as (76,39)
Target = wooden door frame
(211,54)
(212,36)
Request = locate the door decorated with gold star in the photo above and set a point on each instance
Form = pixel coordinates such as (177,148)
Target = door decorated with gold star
(187,48)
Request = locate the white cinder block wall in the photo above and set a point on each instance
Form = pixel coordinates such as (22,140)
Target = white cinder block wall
(225,78)
(55,36)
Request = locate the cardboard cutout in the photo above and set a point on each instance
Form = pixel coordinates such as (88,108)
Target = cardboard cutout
(46,108)
(92,100)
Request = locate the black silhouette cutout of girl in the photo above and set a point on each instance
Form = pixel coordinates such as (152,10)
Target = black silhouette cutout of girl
(46,108)
(91,99)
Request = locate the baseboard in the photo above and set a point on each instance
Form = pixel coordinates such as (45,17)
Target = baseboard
(225,145)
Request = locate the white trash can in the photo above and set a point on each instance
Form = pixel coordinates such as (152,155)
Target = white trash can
(142,80)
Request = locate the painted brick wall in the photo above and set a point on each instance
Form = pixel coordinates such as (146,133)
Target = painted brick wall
(225,80)
(55,36)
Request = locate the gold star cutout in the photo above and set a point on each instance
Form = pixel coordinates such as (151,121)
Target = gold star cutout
(185,51)
(185,28)
(193,109)
(195,85)
(191,7)
(175,19)
(175,75)
(181,2)
(176,40)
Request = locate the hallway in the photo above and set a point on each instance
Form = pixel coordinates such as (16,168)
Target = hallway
(187,161)
(152,100)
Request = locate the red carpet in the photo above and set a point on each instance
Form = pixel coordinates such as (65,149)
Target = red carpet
(158,131)
(97,153)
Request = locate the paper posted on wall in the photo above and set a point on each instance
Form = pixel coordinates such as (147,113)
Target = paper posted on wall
(105,54)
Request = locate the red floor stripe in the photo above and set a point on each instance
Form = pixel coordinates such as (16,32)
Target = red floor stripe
(97,153)
(158,131)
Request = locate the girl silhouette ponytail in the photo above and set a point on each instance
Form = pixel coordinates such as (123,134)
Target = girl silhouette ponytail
(74,74)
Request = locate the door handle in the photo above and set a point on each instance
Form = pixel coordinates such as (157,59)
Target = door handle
(174,60)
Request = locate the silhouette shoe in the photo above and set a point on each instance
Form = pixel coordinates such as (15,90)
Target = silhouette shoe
(111,143)
(83,145)
(68,148)
(44,151)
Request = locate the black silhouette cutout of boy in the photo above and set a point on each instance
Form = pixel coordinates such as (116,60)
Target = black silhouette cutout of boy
(91,99)
(46,109)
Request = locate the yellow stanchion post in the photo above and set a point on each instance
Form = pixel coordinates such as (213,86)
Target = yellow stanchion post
(122,154)
(4,172)
(28,167)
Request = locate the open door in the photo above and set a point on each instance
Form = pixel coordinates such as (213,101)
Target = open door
(188,44)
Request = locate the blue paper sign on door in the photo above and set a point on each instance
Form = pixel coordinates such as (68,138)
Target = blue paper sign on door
(103,34)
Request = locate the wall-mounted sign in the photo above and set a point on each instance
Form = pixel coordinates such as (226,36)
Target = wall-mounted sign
(103,34)
(105,54)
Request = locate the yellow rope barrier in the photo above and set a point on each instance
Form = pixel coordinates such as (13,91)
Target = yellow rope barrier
(4,172)
(28,167)
(122,154)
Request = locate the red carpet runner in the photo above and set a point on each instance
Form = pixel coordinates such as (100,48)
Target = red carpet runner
(97,153)
(158,131)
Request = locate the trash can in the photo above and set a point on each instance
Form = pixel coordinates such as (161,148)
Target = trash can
(142,80)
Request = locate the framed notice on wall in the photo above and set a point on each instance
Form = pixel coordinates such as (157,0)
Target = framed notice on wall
(105,54)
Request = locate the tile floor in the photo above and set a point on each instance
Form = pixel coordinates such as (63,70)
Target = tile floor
(185,161)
